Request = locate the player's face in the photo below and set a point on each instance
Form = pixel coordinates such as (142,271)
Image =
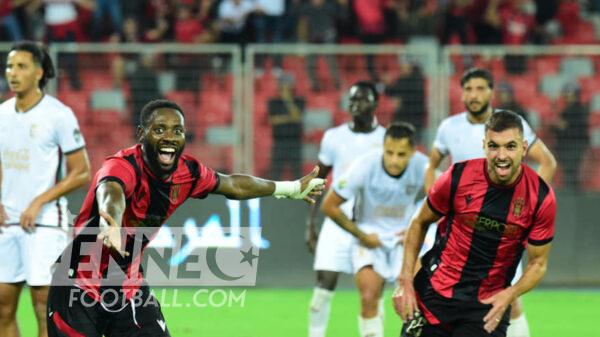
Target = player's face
(22,74)
(476,95)
(396,155)
(163,140)
(362,103)
(504,152)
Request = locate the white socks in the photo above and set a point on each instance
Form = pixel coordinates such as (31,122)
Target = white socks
(371,327)
(518,327)
(318,316)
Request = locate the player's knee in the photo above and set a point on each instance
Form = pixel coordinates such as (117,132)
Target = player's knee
(327,279)
(8,312)
(369,298)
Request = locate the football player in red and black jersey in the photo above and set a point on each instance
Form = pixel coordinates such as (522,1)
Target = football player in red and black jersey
(491,210)
(141,187)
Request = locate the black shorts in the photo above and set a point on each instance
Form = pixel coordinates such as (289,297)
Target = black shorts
(72,313)
(456,318)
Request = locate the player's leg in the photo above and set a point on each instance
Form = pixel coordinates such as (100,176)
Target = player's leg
(72,313)
(9,300)
(370,285)
(39,299)
(40,250)
(320,303)
(11,279)
(518,322)
(142,317)
(475,329)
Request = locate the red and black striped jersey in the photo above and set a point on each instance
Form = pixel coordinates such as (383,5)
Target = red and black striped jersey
(485,228)
(149,203)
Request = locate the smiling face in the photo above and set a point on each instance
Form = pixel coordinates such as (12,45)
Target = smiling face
(396,155)
(476,95)
(504,152)
(362,104)
(22,73)
(163,140)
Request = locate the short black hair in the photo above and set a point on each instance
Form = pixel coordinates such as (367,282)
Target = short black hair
(477,73)
(154,105)
(370,86)
(40,57)
(399,130)
(503,120)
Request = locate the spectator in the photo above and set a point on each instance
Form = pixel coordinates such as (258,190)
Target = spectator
(320,17)
(269,23)
(143,84)
(370,15)
(408,96)
(8,19)
(233,15)
(130,34)
(158,21)
(415,17)
(285,115)
(506,100)
(571,131)
(112,8)
(455,21)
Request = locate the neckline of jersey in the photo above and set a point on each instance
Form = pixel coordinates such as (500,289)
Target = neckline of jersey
(30,108)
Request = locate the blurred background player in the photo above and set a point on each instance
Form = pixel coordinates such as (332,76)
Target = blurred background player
(460,137)
(385,186)
(40,141)
(141,186)
(493,209)
(339,148)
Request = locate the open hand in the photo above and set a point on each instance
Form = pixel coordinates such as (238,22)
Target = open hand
(311,186)
(110,233)
(29,215)
(500,303)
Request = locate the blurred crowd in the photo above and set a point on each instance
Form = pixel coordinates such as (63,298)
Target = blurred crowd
(245,21)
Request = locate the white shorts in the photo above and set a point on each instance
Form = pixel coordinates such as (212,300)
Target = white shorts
(333,252)
(387,262)
(30,256)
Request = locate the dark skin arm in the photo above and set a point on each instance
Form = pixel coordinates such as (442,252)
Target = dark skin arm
(405,302)
(311,229)
(111,206)
(331,207)
(241,187)
(78,174)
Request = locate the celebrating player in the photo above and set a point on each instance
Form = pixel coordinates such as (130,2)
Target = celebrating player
(385,186)
(460,137)
(40,141)
(493,209)
(339,148)
(142,186)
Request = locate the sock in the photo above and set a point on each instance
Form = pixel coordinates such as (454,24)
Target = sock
(518,327)
(370,327)
(381,308)
(318,317)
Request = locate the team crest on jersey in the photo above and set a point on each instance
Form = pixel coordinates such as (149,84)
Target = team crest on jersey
(342,184)
(518,206)
(77,135)
(174,194)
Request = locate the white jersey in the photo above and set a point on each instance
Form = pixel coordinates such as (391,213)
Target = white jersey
(33,145)
(341,146)
(463,140)
(384,203)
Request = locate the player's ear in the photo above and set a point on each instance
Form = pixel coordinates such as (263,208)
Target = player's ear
(139,133)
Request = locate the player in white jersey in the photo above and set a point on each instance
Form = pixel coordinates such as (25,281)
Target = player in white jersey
(42,158)
(339,148)
(385,186)
(461,137)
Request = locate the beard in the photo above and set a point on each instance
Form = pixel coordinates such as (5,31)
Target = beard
(480,111)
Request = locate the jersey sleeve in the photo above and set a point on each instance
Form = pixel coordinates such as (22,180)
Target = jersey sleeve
(542,231)
(528,133)
(352,181)
(438,197)
(326,150)
(440,142)
(118,170)
(68,134)
(207,182)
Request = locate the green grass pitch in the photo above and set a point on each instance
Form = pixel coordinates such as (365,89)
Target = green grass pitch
(256,312)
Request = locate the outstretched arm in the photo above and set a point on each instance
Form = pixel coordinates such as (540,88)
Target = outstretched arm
(111,206)
(240,186)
